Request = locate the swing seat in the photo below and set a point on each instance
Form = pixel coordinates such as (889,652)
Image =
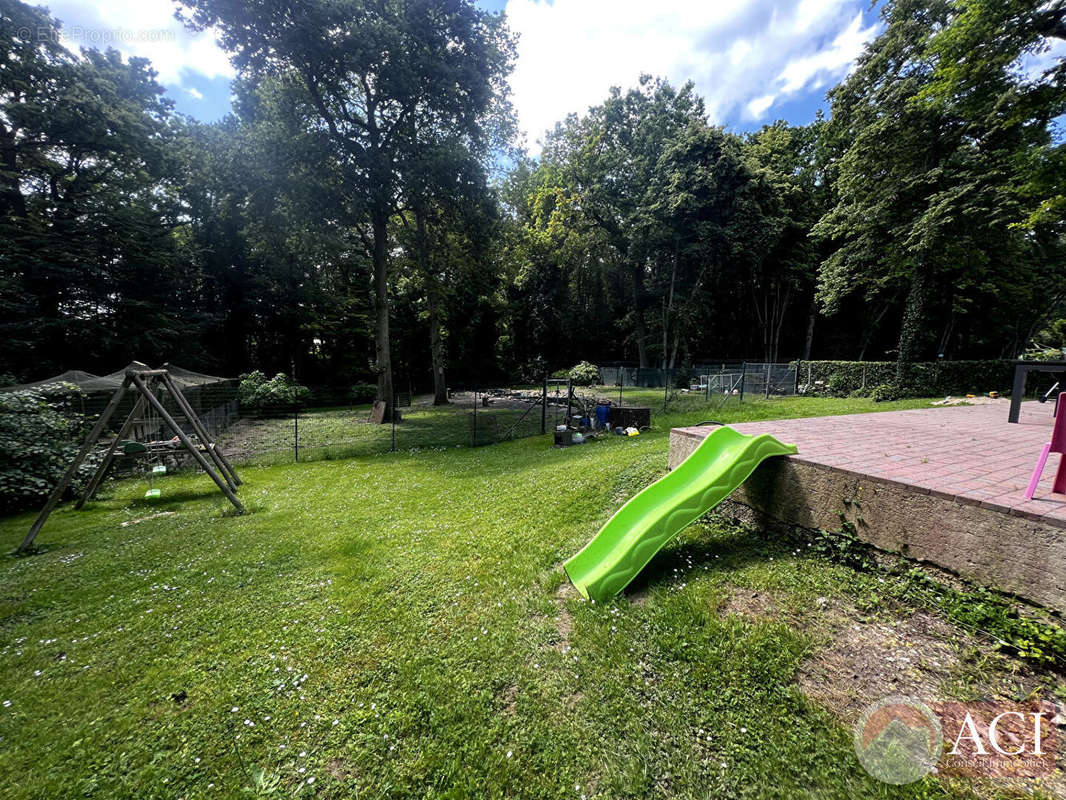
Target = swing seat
(159,469)
(130,448)
(153,494)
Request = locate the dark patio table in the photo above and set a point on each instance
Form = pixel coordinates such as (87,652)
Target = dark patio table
(1021,371)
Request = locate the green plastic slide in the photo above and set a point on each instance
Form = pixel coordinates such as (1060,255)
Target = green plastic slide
(650,519)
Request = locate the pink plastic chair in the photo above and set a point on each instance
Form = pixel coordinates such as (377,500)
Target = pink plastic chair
(1056,445)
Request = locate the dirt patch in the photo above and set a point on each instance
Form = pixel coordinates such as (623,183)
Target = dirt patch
(564,620)
(922,656)
(338,769)
(507,699)
(981,400)
(867,660)
(139,520)
(752,604)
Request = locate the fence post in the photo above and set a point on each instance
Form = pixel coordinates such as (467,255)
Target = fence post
(474,442)
(296,433)
(394,422)
(569,397)
(544,406)
(620,381)
(743,379)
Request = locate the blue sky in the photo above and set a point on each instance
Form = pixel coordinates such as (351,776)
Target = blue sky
(753,60)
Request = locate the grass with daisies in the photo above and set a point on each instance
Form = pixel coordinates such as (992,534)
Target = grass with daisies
(399,626)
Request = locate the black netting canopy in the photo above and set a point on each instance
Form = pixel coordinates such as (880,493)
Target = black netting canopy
(184,378)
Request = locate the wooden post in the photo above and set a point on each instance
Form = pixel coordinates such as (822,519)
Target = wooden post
(169,420)
(1018,390)
(544,406)
(216,453)
(109,458)
(474,434)
(68,476)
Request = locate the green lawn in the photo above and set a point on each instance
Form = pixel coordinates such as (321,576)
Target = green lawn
(345,432)
(399,626)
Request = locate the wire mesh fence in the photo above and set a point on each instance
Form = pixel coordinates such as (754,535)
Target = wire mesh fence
(708,385)
(471,417)
(337,422)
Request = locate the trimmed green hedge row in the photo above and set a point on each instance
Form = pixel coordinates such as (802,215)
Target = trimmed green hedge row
(924,379)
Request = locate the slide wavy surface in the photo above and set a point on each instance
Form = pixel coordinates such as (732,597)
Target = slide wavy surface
(651,518)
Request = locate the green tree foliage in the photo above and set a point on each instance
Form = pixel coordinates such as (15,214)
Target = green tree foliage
(366,77)
(584,374)
(89,262)
(351,219)
(271,395)
(40,431)
(936,175)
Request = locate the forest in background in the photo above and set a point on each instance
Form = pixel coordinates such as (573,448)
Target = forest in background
(368,214)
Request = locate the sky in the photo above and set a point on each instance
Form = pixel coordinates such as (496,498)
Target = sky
(753,61)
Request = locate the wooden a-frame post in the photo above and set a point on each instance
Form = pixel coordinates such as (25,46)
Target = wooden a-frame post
(225,477)
(153,401)
(212,448)
(68,476)
(109,457)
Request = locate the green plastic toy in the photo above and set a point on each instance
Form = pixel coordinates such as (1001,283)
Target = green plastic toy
(653,517)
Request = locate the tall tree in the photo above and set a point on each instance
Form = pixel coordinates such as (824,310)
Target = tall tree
(606,162)
(784,159)
(449,219)
(86,205)
(929,190)
(367,73)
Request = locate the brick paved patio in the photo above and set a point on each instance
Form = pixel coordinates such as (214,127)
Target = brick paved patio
(943,485)
(970,454)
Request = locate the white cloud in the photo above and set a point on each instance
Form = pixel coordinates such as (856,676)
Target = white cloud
(757,107)
(743,56)
(195,93)
(828,63)
(144,28)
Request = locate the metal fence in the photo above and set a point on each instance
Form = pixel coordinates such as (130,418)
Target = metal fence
(472,417)
(708,384)
(475,416)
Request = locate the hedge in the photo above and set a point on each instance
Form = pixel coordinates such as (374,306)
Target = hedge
(40,433)
(922,379)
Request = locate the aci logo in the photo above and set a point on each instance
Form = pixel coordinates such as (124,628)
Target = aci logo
(898,740)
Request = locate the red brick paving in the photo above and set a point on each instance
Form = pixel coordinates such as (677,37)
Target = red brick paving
(968,453)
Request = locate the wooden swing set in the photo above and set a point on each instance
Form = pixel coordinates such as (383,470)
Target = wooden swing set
(144,382)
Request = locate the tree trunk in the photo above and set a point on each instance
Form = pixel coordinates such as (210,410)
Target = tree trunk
(910,334)
(812,315)
(382,353)
(11,200)
(436,341)
(668,314)
(436,351)
(639,329)
(780,308)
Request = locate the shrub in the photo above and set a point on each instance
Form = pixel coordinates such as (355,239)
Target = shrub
(921,379)
(364,393)
(277,394)
(41,430)
(584,374)
(885,392)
